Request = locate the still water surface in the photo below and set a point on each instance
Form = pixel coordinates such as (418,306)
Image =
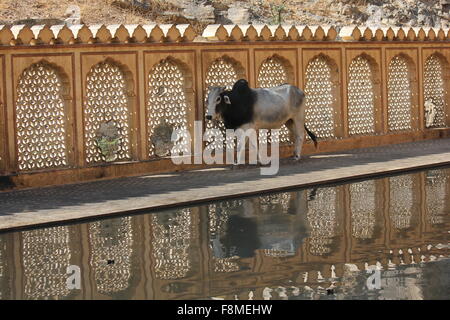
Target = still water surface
(320,243)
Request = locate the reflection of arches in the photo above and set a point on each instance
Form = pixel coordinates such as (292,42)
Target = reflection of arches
(107,99)
(278,202)
(41,117)
(401,201)
(111,244)
(399,93)
(222,72)
(218,217)
(172,236)
(321,76)
(322,219)
(5,290)
(436,195)
(434,86)
(167,99)
(361,109)
(363,206)
(275,71)
(46,255)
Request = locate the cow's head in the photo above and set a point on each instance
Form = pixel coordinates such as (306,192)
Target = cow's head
(217,100)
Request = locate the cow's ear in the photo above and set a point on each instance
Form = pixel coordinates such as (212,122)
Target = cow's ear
(227,99)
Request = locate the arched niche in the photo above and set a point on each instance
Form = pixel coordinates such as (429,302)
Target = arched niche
(41,112)
(169,99)
(321,90)
(402,111)
(436,85)
(109,97)
(221,72)
(363,92)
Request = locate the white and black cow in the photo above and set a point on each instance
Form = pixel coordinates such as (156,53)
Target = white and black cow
(245,108)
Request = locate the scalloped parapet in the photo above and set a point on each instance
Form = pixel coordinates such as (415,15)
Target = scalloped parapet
(153,33)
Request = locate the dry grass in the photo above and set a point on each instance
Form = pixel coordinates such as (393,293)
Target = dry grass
(92,11)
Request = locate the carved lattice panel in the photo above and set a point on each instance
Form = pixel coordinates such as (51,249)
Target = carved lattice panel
(46,256)
(111,253)
(436,194)
(221,73)
(361,110)
(319,115)
(171,244)
(322,220)
(401,201)
(40,119)
(167,102)
(399,95)
(273,73)
(106,100)
(434,89)
(362,206)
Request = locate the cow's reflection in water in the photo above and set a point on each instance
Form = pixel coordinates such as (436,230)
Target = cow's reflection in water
(273,223)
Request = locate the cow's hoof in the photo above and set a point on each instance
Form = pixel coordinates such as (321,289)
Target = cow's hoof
(297,158)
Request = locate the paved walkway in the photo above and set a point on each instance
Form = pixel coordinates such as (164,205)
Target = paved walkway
(84,200)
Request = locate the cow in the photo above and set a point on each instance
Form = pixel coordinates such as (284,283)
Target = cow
(246,108)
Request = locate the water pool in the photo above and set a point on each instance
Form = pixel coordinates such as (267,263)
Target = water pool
(386,238)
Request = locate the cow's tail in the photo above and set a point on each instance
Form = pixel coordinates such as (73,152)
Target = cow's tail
(312,135)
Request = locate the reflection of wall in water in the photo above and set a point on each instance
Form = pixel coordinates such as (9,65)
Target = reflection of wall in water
(222,219)
(401,284)
(172,236)
(275,203)
(436,195)
(46,255)
(401,201)
(362,206)
(281,225)
(3,288)
(111,244)
(322,220)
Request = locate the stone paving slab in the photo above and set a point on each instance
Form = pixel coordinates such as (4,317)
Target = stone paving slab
(24,208)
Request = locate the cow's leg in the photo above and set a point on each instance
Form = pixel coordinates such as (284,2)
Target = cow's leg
(252,146)
(299,134)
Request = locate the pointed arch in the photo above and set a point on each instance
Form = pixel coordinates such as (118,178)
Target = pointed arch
(321,76)
(222,72)
(436,87)
(40,117)
(108,87)
(274,71)
(400,101)
(361,95)
(168,83)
